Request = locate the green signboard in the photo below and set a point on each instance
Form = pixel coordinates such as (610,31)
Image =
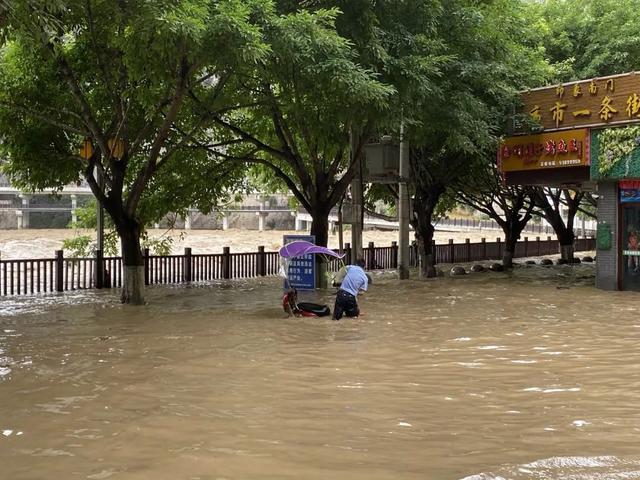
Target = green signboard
(603,236)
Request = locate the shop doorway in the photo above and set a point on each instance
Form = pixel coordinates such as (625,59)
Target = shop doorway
(631,246)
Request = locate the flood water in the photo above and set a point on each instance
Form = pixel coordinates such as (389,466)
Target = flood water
(531,375)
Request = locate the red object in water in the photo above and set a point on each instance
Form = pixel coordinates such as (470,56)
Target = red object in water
(304,309)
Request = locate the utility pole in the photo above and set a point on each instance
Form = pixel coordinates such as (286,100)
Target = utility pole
(356,201)
(403,208)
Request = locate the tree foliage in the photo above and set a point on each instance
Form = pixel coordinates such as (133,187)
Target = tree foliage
(119,74)
(487,53)
(298,108)
(588,38)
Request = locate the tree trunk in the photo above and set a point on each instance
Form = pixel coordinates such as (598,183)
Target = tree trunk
(512,229)
(321,272)
(320,229)
(320,226)
(133,279)
(426,261)
(567,252)
(511,239)
(566,238)
(424,204)
(564,233)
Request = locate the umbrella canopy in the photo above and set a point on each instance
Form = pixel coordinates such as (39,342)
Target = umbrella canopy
(300,248)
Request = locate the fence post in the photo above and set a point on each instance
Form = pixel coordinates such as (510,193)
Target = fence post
(262,262)
(484,248)
(347,251)
(147,273)
(526,246)
(187,274)
(394,254)
(499,243)
(226,263)
(452,251)
(371,261)
(538,246)
(468,249)
(59,271)
(99,269)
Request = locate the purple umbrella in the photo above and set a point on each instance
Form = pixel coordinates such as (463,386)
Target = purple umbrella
(300,248)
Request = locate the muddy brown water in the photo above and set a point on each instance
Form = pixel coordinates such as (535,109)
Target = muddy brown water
(530,375)
(35,243)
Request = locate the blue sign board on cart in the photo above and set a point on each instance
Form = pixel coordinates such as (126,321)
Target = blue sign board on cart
(302,270)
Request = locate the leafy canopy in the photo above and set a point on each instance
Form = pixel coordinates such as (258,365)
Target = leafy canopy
(114,70)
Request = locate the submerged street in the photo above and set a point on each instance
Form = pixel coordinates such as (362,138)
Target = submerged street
(177,143)
(526,375)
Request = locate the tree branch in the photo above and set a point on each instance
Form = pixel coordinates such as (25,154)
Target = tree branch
(135,146)
(76,91)
(278,172)
(101,65)
(46,119)
(145,175)
(186,136)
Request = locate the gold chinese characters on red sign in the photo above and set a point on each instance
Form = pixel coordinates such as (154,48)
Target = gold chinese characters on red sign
(546,150)
(588,103)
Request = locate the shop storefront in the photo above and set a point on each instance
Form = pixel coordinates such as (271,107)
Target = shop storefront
(601,114)
(630,219)
(616,167)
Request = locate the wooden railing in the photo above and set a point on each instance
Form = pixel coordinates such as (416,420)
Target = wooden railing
(60,274)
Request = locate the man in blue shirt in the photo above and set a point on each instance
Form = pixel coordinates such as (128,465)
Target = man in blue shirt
(353,282)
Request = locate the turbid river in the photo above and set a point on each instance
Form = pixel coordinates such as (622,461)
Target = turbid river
(43,243)
(531,375)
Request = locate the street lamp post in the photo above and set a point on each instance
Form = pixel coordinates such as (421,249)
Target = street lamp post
(86,152)
(116,151)
(100,232)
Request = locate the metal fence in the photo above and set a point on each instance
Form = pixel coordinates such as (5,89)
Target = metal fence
(473,223)
(60,274)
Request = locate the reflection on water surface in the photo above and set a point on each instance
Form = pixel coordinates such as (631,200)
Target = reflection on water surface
(526,375)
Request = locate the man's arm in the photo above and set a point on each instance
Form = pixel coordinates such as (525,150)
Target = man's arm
(339,276)
(365,284)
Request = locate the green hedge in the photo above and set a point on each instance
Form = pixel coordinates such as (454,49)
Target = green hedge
(615,153)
